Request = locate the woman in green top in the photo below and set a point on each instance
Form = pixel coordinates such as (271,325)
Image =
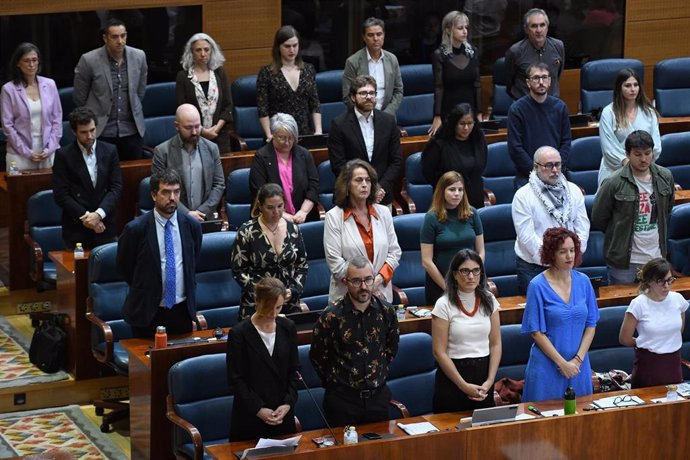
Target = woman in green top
(450,225)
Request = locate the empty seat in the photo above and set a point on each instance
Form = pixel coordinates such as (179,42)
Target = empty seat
(326,185)
(329,88)
(249,135)
(597,79)
(499,247)
(675,155)
(606,353)
(144,199)
(500,99)
(306,409)
(159,130)
(43,233)
(499,173)
(416,111)
(238,198)
(417,191)
(516,348)
(408,279)
(160,100)
(412,374)
(66,101)
(679,238)
(584,162)
(317,284)
(672,87)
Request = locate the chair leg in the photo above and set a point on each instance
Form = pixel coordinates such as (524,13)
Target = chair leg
(118,411)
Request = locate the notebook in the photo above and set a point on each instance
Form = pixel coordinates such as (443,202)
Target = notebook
(493,415)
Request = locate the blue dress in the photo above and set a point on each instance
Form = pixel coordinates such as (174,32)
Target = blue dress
(564,324)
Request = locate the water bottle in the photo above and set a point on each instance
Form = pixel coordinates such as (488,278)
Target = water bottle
(569,406)
(14,170)
(78,251)
(161,338)
(400,312)
(671,393)
(350,436)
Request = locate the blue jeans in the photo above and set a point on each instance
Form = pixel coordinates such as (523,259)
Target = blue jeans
(525,272)
(623,275)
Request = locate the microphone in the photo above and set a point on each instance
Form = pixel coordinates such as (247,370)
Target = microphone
(323,417)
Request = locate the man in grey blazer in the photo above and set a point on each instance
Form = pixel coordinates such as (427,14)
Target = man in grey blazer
(196,160)
(375,61)
(111,81)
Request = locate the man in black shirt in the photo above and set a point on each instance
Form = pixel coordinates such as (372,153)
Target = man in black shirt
(353,343)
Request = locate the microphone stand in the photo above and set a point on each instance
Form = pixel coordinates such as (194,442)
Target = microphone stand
(323,417)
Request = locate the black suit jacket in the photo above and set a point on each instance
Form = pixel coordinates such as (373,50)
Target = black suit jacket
(75,193)
(305,178)
(261,380)
(139,262)
(345,143)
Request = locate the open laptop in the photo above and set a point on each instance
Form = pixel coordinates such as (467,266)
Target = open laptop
(313,141)
(211,226)
(494,415)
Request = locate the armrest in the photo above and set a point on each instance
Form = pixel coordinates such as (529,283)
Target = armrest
(685,362)
(322,210)
(401,294)
(105,330)
(409,202)
(298,425)
(201,324)
(401,407)
(677,186)
(403,132)
(492,287)
(237,144)
(397,209)
(191,430)
(148,152)
(489,197)
(36,272)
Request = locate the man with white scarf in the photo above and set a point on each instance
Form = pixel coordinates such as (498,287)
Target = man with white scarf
(548,200)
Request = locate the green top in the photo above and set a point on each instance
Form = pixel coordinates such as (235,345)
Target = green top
(450,236)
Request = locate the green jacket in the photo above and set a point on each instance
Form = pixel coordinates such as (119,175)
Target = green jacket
(616,205)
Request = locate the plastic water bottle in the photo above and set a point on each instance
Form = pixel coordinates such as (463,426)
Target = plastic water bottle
(78,251)
(13,170)
(569,405)
(671,393)
(350,436)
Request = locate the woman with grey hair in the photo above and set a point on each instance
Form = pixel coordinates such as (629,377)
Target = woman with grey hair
(282,161)
(204,84)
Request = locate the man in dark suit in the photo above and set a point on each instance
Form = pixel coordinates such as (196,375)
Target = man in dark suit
(157,255)
(368,134)
(87,184)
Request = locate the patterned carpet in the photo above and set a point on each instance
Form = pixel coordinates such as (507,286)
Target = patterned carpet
(15,368)
(33,432)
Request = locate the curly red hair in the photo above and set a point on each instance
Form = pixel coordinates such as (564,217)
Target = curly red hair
(553,240)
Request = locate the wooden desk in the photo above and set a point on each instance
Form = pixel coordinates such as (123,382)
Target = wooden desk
(641,432)
(682,197)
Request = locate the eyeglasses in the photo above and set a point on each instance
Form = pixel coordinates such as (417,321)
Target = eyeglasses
(284,139)
(366,93)
(666,281)
(357,282)
(550,165)
(623,401)
(466,271)
(466,125)
(538,78)
(30,61)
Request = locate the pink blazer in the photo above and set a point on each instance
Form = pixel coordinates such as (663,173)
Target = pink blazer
(16,119)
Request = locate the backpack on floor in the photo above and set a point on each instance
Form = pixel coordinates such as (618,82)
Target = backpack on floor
(49,345)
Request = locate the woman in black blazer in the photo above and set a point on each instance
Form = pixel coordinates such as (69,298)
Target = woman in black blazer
(203,83)
(283,162)
(262,368)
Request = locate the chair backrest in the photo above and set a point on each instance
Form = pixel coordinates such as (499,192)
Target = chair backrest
(306,409)
(500,99)
(44,226)
(499,172)
(672,87)
(159,130)
(144,201)
(679,238)
(326,184)
(245,115)
(584,161)
(597,79)
(606,353)
(217,292)
(159,100)
(238,198)
(202,396)
(418,189)
(66,101)
(330,90)
(516,348)
(67,134)
(409,276)
(416,111)
(499,247)
(318,281)
(412,374)
(675,148)
(593,260)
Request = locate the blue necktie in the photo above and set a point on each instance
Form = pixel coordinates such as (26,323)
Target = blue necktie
(170,282)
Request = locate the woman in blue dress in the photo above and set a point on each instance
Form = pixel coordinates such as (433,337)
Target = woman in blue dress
(561,314)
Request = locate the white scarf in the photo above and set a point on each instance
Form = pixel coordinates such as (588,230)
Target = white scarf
(207,104)
(555,198)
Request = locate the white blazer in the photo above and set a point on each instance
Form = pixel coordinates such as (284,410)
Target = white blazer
(341,242)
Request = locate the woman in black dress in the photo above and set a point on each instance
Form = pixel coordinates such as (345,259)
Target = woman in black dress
(263,362)
(456,70)
(459,146)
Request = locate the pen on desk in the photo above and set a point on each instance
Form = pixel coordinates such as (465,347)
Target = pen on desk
(534,410)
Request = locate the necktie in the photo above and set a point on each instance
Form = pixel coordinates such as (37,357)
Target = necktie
(170,282)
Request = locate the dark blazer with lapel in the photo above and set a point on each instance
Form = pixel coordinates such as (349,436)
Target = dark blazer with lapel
(139,262)
(345,143)
(305,177)
(75,194)
(261,380)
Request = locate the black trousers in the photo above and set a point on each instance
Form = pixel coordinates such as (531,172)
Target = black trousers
(176,321)
(128,147)
(346,406)
(449,398)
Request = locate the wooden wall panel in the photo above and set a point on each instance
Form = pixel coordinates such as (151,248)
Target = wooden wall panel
(650,41)
(245,62)
(646,10)
(242,24)
(9,7)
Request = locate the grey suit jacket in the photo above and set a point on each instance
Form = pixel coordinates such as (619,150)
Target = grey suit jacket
(93,85)
(169,155)
(357,64)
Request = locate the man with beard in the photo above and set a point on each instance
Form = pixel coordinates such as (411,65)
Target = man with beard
(196,160)
(157,255)
(368,134)
(353,344)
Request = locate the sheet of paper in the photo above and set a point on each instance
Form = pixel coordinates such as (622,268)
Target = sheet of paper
(417,428)
(268,442)
(608,403)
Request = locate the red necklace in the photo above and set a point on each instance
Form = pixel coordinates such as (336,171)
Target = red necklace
(476,306)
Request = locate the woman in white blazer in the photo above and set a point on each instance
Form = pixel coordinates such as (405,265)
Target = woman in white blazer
(358,226)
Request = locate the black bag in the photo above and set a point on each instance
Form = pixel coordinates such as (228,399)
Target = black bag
(49,345)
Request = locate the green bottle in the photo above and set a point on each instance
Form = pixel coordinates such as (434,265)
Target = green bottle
(569,406)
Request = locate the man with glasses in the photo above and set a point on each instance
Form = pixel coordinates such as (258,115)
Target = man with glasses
(633,207)
(547,200)
(536,120)
(369,134)
(353,344)
(537,47)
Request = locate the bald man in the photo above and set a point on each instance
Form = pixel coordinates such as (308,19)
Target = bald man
(196,160)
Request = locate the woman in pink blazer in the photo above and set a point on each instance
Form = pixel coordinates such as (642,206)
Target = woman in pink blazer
(31,112)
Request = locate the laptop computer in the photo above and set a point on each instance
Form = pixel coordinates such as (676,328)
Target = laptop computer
(494,415)
(313,141)
(580,119)
(211,226)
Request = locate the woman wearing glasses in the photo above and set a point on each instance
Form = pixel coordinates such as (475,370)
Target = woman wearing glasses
(658,315)
(561,315)
(282,161)
(358,226)
(450,225)
(466,333)
(459,146)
